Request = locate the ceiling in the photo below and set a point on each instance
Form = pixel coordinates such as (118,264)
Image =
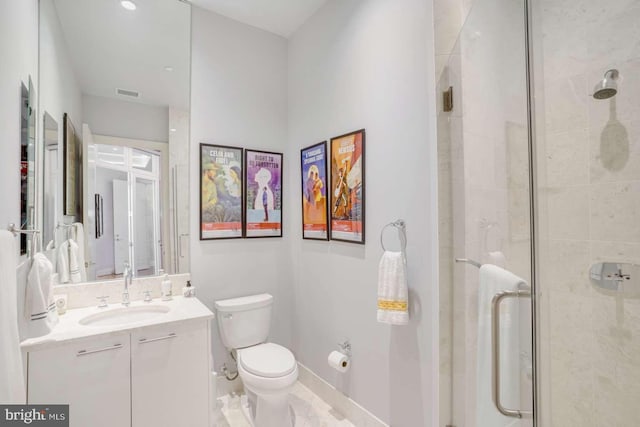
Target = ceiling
(111,47)
(281,17)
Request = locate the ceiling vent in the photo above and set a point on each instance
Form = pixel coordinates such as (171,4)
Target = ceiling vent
(129,93)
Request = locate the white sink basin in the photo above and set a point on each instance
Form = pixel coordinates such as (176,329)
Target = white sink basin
(124,315)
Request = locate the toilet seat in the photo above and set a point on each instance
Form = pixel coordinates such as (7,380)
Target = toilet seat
(267,360)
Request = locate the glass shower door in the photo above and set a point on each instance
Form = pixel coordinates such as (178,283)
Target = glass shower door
(485,217)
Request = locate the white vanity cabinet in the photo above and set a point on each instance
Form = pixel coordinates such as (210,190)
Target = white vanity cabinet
(92,375)
(152,376)
(169,369)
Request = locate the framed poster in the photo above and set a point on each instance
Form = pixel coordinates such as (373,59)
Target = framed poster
(347,187)
(263,196)
(221,210)
(313,164)
(72,173)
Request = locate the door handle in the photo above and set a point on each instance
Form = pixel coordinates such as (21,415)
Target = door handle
(166,337)
(495,351)
(100,350)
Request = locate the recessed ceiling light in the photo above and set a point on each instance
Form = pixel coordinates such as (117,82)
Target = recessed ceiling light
(168,68)
(128,4)
(173,129)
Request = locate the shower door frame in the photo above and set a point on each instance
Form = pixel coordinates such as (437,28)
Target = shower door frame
(533,203)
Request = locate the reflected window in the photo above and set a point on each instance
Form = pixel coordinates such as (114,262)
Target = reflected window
(111,154)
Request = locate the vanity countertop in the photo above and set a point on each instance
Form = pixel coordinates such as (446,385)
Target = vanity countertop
(69,327)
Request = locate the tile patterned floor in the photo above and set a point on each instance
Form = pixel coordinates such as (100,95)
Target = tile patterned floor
(310,410)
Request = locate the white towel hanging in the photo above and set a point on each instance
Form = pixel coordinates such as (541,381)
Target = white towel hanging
(393,292)
(40,307)
(79,238)
(12,388)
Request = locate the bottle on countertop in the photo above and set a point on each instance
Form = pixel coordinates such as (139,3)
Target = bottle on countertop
(189,291)
(165,288)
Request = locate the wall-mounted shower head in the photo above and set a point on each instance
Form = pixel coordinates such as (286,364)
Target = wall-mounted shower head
(608,86)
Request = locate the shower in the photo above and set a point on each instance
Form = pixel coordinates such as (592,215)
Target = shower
(607,87)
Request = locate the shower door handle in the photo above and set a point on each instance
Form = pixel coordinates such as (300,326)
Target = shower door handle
(495,351)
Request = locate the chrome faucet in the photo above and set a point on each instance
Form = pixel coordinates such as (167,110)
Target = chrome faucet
(128,277)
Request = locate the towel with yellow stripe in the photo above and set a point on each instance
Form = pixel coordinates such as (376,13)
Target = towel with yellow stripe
(393,293)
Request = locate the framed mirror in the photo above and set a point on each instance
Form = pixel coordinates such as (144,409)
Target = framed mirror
(27,163)
(115,87)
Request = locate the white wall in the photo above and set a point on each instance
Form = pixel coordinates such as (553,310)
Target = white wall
(238,98)
(113,117)
(60,88)
(19,57)
(369,64)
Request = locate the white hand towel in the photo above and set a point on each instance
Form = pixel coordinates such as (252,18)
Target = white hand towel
(74,264)
(68,264)
(12,389)
(393,292)
(40,307)
(78,231)
(62,259)
(494,279)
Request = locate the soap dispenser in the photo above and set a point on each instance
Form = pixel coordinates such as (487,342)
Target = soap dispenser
(165,288)
(189,291)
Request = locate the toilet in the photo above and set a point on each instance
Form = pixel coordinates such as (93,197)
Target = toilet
(267,370)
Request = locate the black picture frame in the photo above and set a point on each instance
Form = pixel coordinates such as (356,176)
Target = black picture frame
(309,158)
(99,227)
(267,164)
(351,225)
(222,218)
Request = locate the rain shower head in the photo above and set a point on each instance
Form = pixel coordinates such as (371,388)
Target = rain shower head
(608,86)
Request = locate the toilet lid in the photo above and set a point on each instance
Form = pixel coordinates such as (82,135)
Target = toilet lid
(267,360)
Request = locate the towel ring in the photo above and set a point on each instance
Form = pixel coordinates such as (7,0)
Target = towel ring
(400,225)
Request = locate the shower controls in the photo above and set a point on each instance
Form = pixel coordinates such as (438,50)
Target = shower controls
(611,275)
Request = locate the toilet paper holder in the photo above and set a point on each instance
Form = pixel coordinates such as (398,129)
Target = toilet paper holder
(345,347)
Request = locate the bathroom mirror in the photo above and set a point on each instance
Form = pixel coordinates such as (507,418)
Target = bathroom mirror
(27,162)
(114,92)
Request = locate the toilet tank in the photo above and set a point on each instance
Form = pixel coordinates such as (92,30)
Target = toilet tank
(244,321)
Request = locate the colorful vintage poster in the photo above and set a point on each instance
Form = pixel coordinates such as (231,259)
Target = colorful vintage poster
(347,187)
(313,161)
(264,194)
(221,175)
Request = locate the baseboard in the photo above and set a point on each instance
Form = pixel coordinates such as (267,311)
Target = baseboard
(355,413)
(105,272)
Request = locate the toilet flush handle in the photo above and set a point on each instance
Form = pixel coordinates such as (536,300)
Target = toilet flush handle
(227,316)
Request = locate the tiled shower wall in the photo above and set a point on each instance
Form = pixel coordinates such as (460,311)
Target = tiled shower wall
(589,194)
